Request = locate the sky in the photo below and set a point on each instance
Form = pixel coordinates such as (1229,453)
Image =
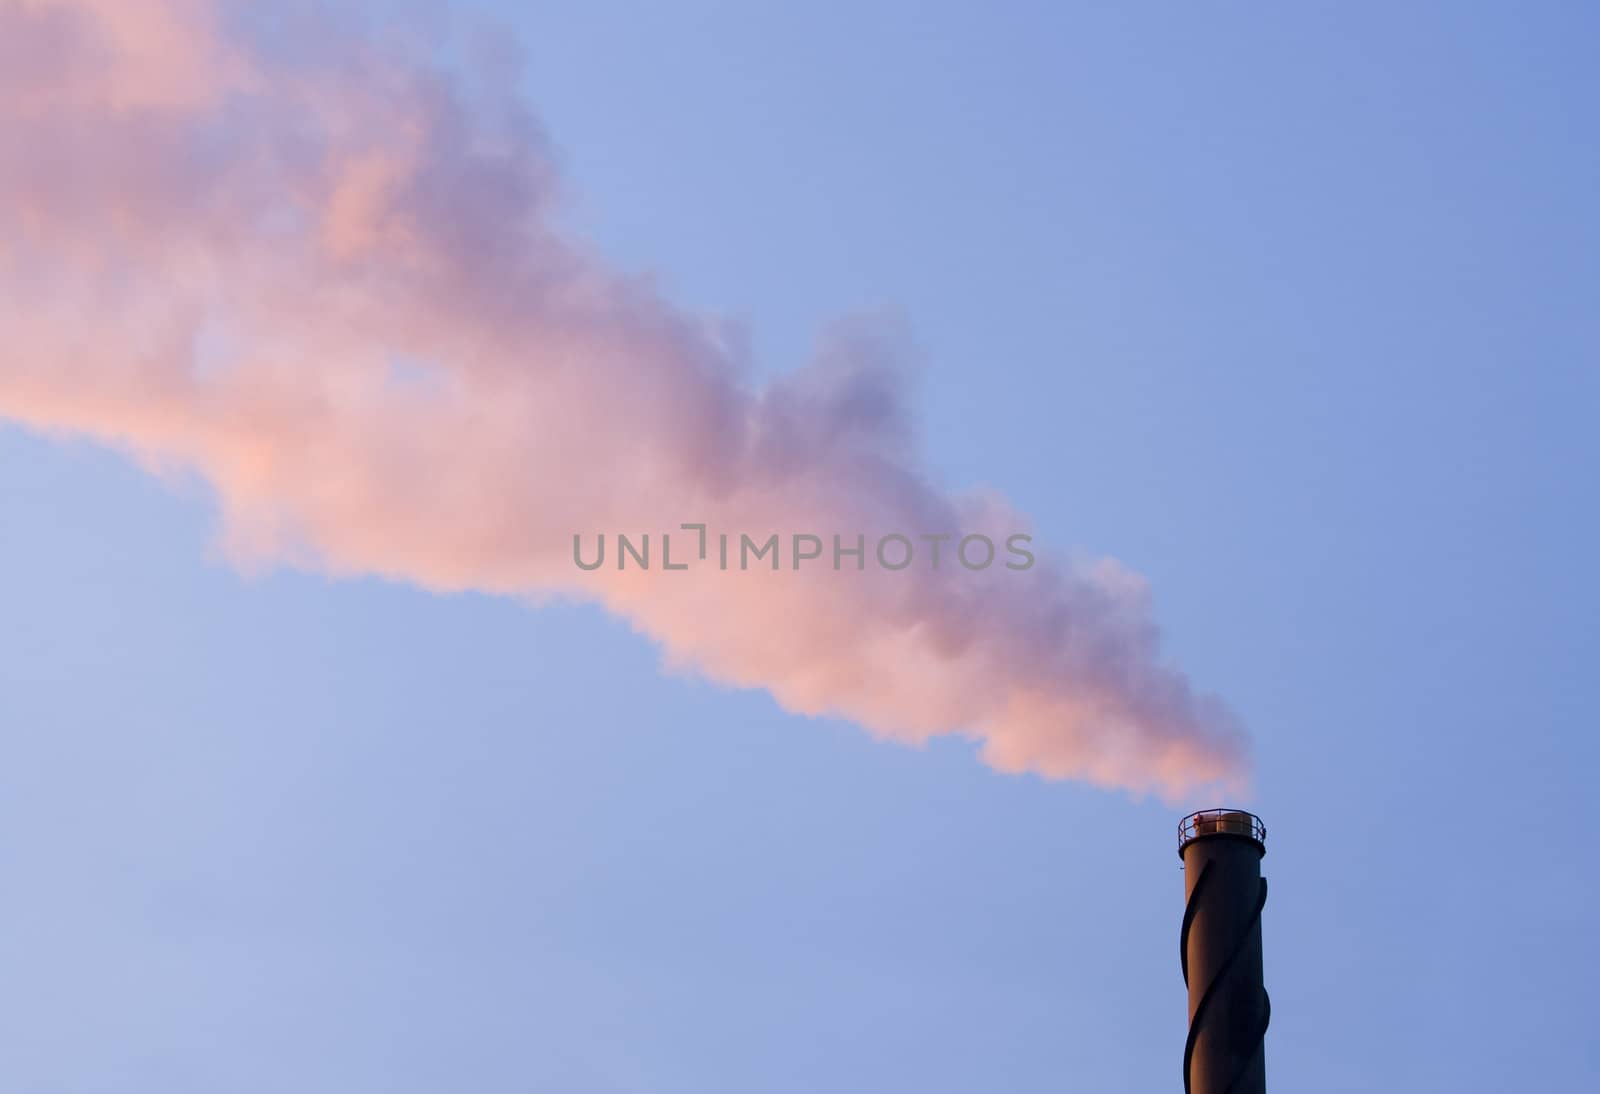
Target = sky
(1289,312)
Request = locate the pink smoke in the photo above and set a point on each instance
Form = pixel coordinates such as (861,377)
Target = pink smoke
(331,285)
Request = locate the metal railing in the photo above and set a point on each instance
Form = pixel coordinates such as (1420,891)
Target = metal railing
(1221,822)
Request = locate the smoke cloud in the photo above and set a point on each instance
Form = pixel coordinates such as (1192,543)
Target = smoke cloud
(323,272)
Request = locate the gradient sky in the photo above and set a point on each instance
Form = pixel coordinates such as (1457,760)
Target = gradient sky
(1293,313)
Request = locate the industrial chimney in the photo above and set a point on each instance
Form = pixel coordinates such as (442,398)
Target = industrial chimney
(1221,951)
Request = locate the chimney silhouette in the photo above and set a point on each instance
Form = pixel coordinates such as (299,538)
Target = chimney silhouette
(1221,952)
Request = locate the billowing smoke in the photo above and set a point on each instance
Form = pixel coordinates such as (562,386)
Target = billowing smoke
(322,272)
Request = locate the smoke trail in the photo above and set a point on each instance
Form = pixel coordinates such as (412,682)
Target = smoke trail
(328,280)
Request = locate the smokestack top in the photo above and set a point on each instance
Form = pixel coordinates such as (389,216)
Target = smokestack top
(1229,823)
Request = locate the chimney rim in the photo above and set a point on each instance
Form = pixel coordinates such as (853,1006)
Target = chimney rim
(1222,824)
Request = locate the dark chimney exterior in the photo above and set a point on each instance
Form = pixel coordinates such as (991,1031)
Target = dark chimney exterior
(1221,952)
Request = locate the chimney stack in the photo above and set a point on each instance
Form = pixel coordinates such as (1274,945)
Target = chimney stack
(1220,948)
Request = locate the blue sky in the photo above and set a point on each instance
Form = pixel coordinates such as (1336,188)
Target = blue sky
(1292,312)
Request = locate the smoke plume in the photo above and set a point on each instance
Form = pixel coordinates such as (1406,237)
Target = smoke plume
(323,272)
